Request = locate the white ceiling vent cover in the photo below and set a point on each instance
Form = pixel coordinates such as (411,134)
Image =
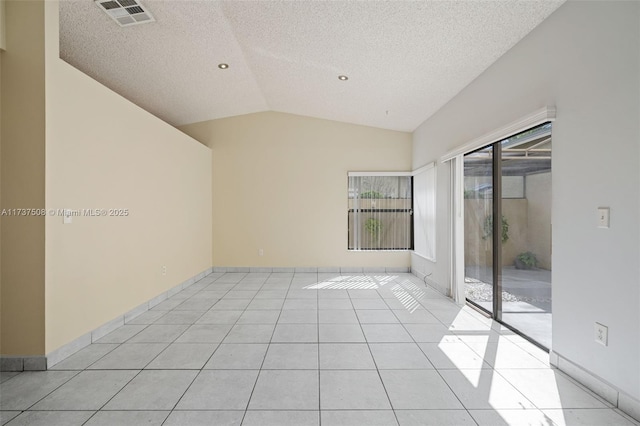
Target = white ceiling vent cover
(125,12)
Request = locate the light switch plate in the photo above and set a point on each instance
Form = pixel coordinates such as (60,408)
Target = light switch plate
(601,334)
(67,217)
(603,217)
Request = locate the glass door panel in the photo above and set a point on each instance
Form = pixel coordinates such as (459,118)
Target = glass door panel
(478,223)
(526,244)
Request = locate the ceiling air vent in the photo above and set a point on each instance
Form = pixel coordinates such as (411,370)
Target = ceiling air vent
(125,12)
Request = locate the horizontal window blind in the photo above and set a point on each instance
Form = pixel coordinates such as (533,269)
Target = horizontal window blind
(380,212)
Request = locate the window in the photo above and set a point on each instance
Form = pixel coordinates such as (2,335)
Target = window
(380,211)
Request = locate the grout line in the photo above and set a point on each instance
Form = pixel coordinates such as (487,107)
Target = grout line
(141,370)
(114,395)
(386,392)
(194,323)
(218,344)
(237,286)
(434,367)
(264,356)
(49,393)
(117,345)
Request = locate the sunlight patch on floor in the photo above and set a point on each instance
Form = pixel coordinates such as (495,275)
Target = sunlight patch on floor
(352,282)
(407,299)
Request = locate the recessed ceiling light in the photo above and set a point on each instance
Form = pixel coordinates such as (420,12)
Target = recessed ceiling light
(223,66)
(343,78)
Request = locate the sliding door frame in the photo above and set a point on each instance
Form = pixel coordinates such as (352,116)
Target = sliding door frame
(497,227)
(496,238)
(456,159)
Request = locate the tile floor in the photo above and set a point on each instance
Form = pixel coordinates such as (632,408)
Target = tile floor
(304,349)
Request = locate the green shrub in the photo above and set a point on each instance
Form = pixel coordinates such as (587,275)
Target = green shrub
(487,230)
(372,194)
(528,259)
(373,226)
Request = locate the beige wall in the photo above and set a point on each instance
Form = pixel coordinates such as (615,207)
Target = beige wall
(478,251)
(529,222)
(3,32)
(280,184)
(22,180)
(2,47)
(104,152)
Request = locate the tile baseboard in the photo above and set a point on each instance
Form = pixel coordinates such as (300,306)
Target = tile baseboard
(37,363)
(597,385)
(314,270)
(431,283)
(629,406)
(23,363)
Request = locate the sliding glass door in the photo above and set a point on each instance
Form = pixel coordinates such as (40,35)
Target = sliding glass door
(507,204)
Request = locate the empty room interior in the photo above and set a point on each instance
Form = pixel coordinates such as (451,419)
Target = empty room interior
(319,212)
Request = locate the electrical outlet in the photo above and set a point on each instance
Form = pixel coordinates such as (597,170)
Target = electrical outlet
(164,270)
(601,334)
(260,252)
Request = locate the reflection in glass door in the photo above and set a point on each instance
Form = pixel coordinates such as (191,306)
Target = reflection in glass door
(508,261)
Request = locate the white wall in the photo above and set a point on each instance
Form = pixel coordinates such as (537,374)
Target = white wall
(584,59)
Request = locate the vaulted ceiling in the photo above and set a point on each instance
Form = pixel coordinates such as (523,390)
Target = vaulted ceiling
(404,59)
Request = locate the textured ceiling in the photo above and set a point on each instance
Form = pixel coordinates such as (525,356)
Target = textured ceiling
(404,59)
